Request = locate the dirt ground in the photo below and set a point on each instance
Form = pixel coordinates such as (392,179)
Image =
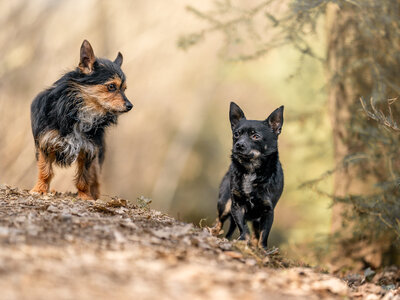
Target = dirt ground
(60,247)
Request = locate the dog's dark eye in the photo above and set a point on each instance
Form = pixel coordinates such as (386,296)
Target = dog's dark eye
(111,87)
(255,136)
(236,134)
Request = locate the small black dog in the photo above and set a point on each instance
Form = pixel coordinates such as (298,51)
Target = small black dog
(253,184)
(69,120)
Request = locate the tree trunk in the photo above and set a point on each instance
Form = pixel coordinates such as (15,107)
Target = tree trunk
(349,80)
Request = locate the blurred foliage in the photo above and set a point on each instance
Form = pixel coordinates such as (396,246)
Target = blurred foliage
(368,51)
(251,30)
(306,148)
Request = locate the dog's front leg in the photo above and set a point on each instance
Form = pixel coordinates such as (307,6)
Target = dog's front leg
(265,225)
(45,173)
(255,237)
(237,212)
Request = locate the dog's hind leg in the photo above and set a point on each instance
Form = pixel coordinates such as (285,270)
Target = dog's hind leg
(45,173)
(83,177)
(232,227)
(94,172)
(224,209)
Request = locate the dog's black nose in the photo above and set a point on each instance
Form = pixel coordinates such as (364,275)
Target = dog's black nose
(128,105)
(239,146)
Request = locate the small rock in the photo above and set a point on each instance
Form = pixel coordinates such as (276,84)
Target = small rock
(4,231)
(75,211)
(369,274)
(20,219)
(32,215)
(353,279)
(120,210)
(372,297)
(225,246)
(233,254)
(128,224)
(53,209)
(334,285)
(204,245)
(65,217)
(251,262)
(117,203)
(182,230)
(33,230)
(69,237)
(389,287)
(161,233)
(118,236)
(266,260)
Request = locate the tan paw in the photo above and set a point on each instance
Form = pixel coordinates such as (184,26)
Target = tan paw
(216,229)
(38,191)
(84,196)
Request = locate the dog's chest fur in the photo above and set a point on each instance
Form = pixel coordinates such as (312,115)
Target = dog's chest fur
(247,183)
(257,189)
(68,147)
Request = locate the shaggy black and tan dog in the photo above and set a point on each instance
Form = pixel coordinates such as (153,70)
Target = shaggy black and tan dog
(69,120)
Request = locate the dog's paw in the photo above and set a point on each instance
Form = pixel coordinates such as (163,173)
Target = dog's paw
(37,191)
(268,252)
(85,196)
(215,231)
(244,237)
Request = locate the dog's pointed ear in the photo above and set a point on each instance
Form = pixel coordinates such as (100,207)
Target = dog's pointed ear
(235,114)
(87,58)
(119,59)
(275,120)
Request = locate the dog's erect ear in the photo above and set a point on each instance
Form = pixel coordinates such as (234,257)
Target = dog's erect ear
(119,59)
(87,58)
(235,114)
(275,120)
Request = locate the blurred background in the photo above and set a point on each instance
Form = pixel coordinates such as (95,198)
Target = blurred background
(174,146)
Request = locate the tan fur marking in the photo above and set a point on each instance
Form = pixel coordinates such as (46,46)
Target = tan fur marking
(116,80)
(216,229)
(227,209)
(124,87)
(260,239)
(98,98)
(45,174)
